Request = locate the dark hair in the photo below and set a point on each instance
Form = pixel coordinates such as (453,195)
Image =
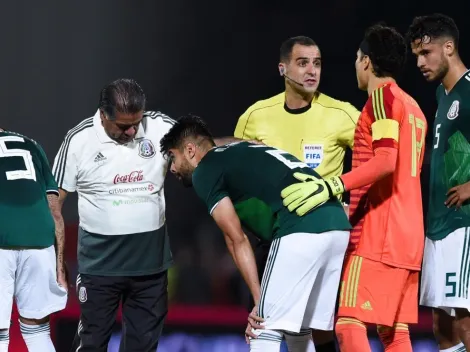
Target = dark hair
(288,45)
(188,126)
(386,49)
(123,95)
(433,26)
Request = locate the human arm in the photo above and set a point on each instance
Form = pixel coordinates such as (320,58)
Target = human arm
(238,244)
(55,206)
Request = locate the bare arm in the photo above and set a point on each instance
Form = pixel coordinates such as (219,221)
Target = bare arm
(238,244)
(55,205)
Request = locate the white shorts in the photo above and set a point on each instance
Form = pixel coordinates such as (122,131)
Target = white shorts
(301,279)
(446,272)
(29,275)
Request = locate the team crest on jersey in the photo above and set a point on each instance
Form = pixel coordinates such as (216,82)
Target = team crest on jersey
(146,149)
(82,296)
(454,110)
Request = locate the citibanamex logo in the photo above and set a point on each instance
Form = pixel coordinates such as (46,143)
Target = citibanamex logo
(134,176)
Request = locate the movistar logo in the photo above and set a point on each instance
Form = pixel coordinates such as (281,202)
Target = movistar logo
(117,203)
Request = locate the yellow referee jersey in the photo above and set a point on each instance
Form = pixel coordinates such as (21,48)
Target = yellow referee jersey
(317,134)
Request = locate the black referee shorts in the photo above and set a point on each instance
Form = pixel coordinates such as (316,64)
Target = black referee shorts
(144,308)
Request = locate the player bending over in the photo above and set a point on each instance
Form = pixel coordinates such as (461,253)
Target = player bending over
(300,283)
(380,279)
(30,222)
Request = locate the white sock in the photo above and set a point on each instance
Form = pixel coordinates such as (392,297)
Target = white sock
(457,348)
(37,337)
(4,339)
(267,341)
(300,342)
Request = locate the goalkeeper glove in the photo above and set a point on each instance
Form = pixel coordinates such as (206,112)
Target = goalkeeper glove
(310,193)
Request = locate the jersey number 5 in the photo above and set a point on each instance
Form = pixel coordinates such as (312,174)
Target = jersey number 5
(30,172)
(416,143)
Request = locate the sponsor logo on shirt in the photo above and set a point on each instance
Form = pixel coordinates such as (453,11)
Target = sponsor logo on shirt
(133,176)
(123,202)
(122,190)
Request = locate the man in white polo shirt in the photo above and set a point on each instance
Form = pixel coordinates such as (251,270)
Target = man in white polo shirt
(111,160)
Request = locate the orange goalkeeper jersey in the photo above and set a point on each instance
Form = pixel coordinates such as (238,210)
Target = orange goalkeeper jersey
(387,217)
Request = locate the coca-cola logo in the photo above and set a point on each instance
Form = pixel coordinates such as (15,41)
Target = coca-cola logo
(134,176)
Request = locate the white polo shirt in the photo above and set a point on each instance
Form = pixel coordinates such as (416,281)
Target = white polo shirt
(120,186)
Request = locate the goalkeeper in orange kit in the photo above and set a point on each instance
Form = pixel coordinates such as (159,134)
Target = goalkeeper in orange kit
(379,284)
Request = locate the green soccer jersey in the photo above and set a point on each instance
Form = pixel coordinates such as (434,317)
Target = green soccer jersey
(253,176)
(25,179)
(450,160)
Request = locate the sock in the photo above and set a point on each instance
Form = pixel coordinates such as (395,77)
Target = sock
(352,335)
(4,339)
(300,342)
(326,347)
(396,339)
(267,341)
(37,337)
(457,348)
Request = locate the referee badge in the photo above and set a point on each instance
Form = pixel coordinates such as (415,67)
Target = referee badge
(82,296)
(146,149)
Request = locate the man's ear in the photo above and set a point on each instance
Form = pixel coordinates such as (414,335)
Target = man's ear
(189,150)
(449,48)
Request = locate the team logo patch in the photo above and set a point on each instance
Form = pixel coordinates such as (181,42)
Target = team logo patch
(82,296)
(454,110)
(146,149)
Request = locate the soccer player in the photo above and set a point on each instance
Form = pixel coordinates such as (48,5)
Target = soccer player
(434,40)
(31,270)
(380,278)
(306,123)
(301,279)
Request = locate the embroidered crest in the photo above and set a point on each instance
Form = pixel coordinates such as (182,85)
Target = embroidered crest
(146,149)
(453,111)
(82,296)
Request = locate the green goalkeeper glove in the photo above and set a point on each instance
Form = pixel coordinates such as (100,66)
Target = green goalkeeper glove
(310,193)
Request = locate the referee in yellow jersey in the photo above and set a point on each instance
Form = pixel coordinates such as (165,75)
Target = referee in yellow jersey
(314,127)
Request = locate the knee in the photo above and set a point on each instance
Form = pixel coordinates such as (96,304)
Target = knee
(28,321)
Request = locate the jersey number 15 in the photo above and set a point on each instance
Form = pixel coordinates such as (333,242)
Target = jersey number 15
(30,172)
(416,143)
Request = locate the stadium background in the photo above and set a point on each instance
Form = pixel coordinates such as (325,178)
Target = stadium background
(211,58)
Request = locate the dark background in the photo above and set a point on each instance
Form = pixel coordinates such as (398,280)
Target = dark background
(211,58)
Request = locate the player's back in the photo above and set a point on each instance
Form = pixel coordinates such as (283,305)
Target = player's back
(393,229)
(254,176)
(25,178)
